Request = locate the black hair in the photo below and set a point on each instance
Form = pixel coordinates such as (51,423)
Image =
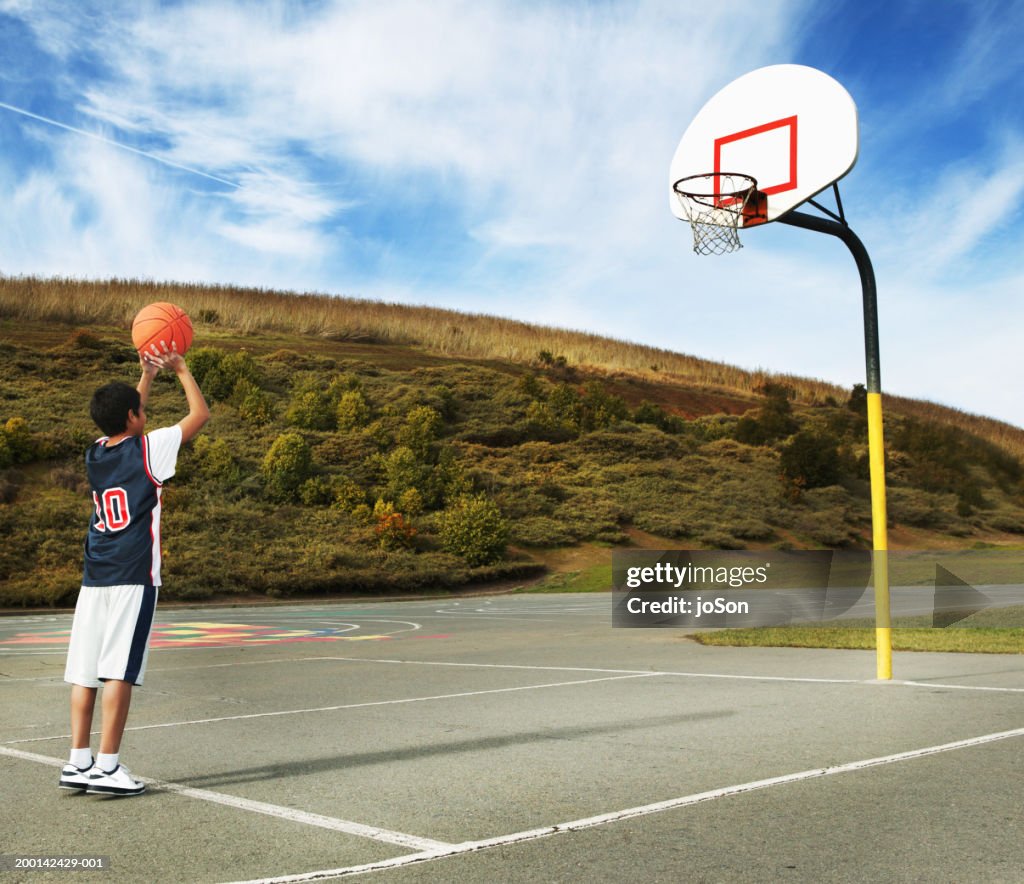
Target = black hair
(110,406)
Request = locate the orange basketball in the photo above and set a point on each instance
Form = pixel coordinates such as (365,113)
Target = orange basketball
(161,322)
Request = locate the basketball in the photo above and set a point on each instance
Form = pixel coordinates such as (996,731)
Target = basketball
(161,322)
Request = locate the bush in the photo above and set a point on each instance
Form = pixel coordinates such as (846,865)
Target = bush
(19,443)
(217,372)
(253,404)
(402,471)
(353,411)
(600,409)
(811,460)
(649,413)
(217,460)
(474,529)
(922,509)
(312,409)
(316,492)
(347,494)
(286,466)
(392,529)
(422,427)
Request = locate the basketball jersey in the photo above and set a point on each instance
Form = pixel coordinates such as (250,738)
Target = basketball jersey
(123,543)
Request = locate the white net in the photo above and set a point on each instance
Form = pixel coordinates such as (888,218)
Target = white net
(714,206)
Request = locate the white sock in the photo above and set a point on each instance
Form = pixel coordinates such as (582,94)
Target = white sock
(106,762)
(81,758)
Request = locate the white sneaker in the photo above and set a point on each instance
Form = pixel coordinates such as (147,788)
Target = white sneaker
(118,782)
(77,778)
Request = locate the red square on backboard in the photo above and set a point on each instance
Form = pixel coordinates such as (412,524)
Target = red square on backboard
(790,167)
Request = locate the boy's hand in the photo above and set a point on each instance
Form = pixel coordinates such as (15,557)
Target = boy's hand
(150,369)
(165,357)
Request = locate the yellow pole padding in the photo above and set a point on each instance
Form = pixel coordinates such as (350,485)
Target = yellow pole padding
(880,537)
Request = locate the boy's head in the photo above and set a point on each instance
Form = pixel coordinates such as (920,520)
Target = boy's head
(117,408)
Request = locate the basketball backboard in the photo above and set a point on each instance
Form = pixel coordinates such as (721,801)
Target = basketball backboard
(790,127)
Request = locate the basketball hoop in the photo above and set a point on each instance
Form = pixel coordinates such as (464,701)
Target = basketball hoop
(715,205)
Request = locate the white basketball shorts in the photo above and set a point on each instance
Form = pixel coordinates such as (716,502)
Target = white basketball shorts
(110,635)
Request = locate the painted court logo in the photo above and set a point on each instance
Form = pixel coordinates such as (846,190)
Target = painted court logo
(211,635)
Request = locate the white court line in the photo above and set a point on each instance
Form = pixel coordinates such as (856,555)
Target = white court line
(782,678)
(617,671)
(633,812)
(285,813)
(251,715)
(958,687)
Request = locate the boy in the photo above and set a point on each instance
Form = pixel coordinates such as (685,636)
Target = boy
(114,614)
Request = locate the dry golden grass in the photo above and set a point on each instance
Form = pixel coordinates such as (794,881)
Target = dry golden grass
(114,302)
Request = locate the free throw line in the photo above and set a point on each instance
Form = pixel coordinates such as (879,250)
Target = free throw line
(251,715)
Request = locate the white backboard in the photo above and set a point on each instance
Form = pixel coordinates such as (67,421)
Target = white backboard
(791,127)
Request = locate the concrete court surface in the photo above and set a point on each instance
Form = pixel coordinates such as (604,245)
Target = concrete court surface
(517,738)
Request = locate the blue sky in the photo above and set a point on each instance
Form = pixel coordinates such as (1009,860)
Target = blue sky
(511,158)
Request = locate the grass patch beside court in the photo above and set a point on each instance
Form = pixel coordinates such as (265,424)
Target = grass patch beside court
(595,579)
(978,634)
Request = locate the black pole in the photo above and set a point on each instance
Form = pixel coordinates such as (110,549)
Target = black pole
(867,281)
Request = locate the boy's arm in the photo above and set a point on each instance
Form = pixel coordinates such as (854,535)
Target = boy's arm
(198,411)
(150,370)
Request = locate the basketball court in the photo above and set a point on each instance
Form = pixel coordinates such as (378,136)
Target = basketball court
(518,738)
(522,738)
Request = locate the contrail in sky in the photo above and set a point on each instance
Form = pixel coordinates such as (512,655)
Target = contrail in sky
(141,153)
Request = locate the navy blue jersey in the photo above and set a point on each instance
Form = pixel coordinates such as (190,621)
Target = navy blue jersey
(123,543)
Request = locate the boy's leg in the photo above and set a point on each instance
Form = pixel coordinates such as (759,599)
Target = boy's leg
(117,697)
(75,774)
(109,777)
(122,665)
(83,702)
(80,672)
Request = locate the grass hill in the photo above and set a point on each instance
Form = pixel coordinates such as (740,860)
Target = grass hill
(360,446)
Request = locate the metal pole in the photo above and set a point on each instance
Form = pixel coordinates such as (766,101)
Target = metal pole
(876,448)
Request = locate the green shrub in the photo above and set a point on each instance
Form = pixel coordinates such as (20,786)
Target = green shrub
(316,491)
(922,509)
(347,494)
(422,427)
(649,413)
(811,460)
(402,471)
(411,502)
(599,409)
(720,540)
(565,405)
(312,409)
(858,401)
(218,372)
(750,431)
(531,386)
(217,460)
(254,405)
(474,529)
(20,442)
(286,466)
(353,410)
